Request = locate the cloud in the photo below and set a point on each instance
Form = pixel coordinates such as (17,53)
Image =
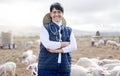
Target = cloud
(88,15)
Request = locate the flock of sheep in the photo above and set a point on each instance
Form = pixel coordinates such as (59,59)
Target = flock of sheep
(83,67)
(27,58)
(108,43)
(96,67)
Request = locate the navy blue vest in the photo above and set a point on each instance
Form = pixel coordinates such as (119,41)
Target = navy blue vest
(49,61)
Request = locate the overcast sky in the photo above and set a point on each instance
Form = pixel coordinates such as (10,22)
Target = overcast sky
(84,15)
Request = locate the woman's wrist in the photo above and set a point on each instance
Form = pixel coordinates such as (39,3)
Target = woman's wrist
(64,44)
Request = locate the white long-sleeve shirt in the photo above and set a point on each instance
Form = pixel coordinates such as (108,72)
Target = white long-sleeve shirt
(44,38)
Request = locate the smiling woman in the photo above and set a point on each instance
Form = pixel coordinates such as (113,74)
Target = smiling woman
(57,42)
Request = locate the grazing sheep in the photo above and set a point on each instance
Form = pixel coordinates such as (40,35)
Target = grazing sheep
(29,60)
(33,68)
(77,70)
(111,43)
(25,55)
(99,43)
(111,66)
(86,62)
(8,67)
(115,71)
(97,71)
(108,61)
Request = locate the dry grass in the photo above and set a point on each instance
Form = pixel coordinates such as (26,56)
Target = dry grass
(84,50)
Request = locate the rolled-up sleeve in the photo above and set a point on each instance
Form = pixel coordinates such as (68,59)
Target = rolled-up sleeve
(72,46)
(44,38)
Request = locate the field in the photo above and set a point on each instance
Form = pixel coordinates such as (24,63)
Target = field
(84,50)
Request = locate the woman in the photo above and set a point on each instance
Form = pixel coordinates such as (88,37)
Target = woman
(57,42)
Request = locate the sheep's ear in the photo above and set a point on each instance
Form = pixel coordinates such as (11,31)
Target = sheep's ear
(30,67)
(34,73)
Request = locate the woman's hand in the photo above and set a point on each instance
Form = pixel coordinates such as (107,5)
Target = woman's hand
(55,51)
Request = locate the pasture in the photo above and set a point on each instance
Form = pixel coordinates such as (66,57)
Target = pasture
(84,50)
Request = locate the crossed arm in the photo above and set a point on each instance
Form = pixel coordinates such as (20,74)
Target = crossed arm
(57,47)
(59,50)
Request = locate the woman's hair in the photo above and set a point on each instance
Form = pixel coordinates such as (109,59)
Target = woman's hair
(57,6)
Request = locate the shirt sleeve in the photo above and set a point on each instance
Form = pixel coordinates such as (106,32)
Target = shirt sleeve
(72,46)
(44,38)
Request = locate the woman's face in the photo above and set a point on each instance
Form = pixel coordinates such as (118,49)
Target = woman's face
(56,15)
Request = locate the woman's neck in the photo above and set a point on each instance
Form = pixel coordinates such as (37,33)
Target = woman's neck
(58,23)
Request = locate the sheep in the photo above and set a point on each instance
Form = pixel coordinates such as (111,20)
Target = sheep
(25,55)
(97,71)
(111,43)
(111,66)
(85,62)
(99,43)
(29,60)
(108,61)
(8,67)
(96,60)
(33,68)
(77,70)
(115,71)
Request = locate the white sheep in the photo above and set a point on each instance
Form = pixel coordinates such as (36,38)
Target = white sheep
(96,60)
(29,60)
(108,61)
(25,55)
(8,67)
(111,66)
(86,62)
(33,68)
(97,71)
(115,71)
(111,43)
(99,43)
(77,70)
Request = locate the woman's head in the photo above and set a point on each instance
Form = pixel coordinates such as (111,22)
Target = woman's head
(56,12)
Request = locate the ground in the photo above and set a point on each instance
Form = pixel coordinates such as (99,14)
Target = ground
(84,50)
